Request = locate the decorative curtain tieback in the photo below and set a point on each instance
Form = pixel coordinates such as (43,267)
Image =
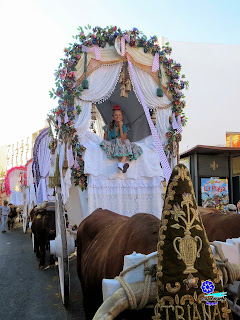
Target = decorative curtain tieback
(155,66)
(94,49)
(123,49)
(126,83)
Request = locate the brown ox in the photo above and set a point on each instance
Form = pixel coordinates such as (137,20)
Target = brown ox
(220,226)
(103,239)
(12,216)
(44,230)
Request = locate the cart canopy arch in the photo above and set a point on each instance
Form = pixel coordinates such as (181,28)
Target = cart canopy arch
(109,66)
(15,178)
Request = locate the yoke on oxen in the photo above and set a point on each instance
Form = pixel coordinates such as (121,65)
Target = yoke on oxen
(188,280)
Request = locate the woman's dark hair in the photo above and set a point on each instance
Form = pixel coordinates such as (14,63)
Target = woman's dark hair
(111,125)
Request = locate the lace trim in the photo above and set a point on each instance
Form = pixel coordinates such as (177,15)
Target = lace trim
(127,204)
(98,182)
(110,92)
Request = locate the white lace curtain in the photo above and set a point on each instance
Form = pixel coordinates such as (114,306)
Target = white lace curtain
(102,83)
(44,161)
(14,178)
(31,195)
(161,106)
(16,196)
(113,53)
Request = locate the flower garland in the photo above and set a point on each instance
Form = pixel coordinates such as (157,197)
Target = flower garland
(2,186)
(175,85)
(7,179)
(66,91)
(78,169)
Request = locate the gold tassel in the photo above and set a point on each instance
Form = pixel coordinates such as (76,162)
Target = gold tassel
(123,90)
(94,112)
(128,83)
(122,75)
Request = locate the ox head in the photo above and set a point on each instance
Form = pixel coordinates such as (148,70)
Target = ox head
(47,210)
(50,217)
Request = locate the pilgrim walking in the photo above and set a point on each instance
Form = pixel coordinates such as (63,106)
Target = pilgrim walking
(5,210)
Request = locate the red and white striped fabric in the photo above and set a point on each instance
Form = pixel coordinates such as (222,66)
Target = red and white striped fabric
(95,49)
(162,156)
(123,49)
(155,66)
(179,122)
(174,121)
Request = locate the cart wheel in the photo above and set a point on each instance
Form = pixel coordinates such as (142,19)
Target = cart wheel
(33,241)
(25,224)
(63,268)
(63,262)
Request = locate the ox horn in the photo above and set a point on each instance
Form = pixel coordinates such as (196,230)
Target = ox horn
(118,301)
(41,206)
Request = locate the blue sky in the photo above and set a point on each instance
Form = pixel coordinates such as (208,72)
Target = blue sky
(35,32)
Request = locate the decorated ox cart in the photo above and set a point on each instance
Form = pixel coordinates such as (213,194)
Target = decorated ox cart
(101,69)
(15,183)
(19,188)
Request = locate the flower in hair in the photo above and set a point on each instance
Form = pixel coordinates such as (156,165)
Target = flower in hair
(116,107)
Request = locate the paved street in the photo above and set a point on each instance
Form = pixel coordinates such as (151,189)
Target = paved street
(26,292)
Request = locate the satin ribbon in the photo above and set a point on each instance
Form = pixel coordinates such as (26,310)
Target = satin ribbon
(155,66)
(70,156)
(176,123)
(179,129)
(94,49)
(123,48)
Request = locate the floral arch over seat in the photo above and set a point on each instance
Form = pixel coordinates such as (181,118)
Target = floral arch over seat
(88,78)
